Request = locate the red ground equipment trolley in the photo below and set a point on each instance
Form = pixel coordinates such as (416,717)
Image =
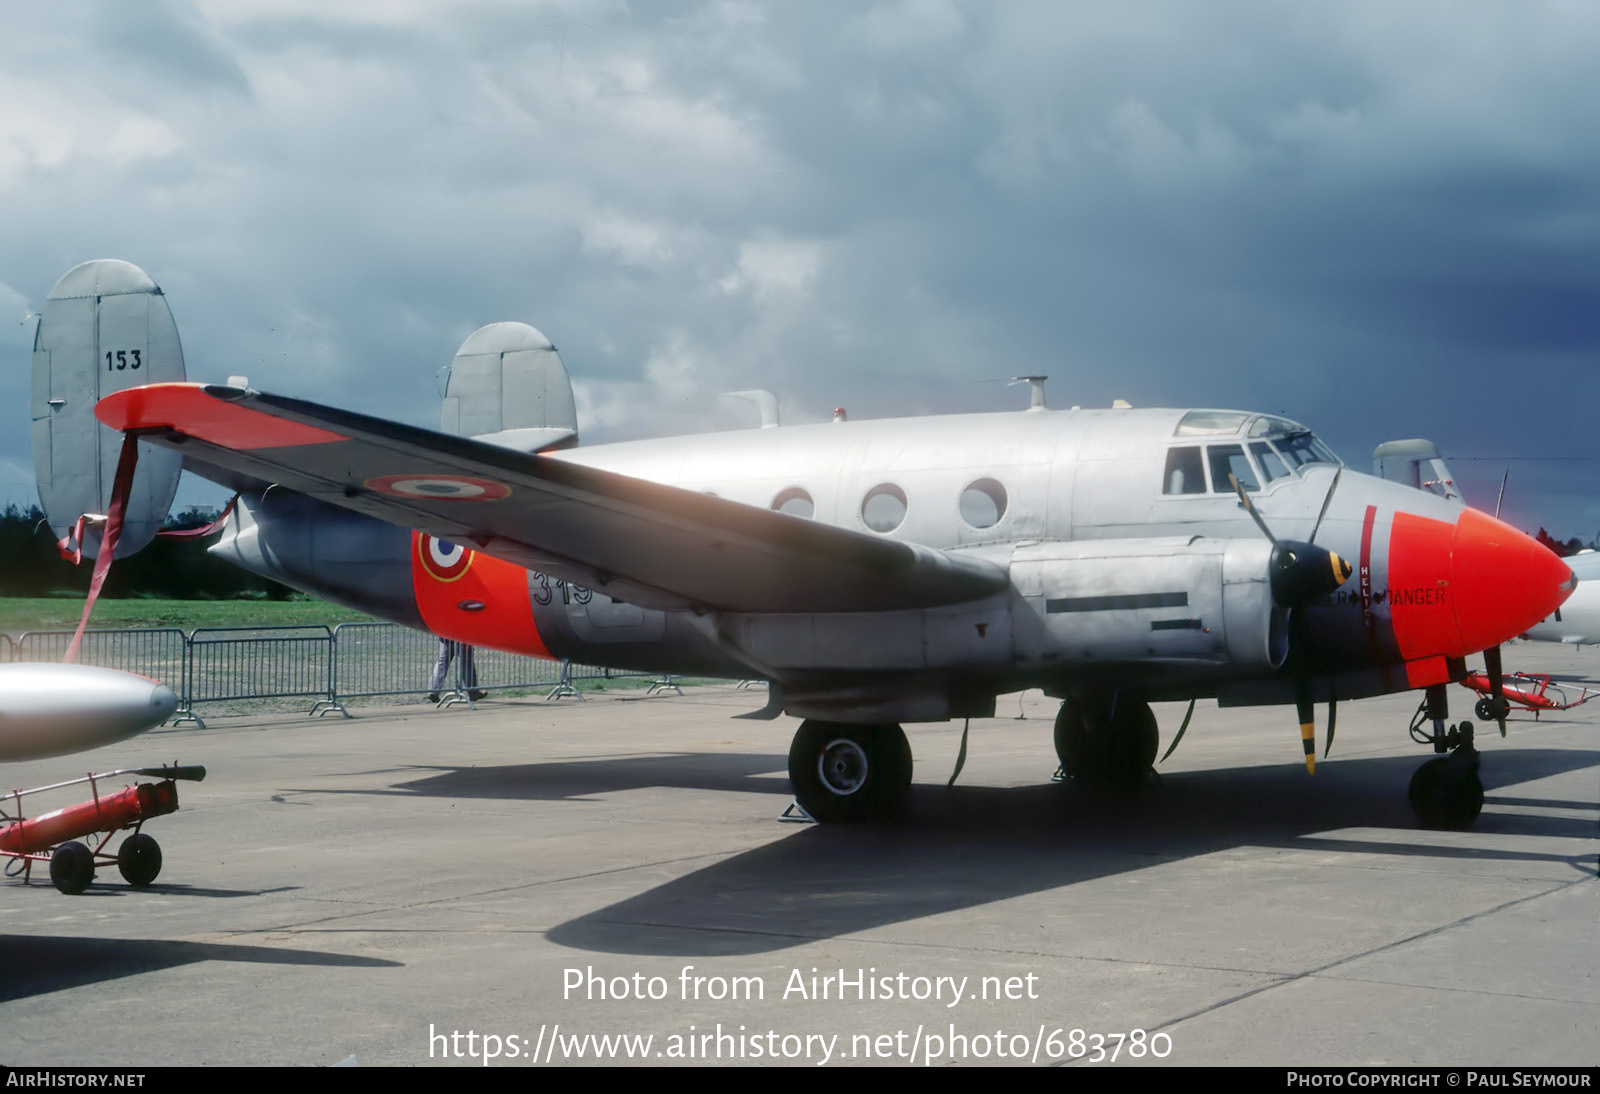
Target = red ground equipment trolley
(54,837)
(1528,690)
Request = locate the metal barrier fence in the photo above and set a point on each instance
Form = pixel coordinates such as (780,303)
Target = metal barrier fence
(372,659)
(328,666)
(161,654)
(261,663)
(499,670)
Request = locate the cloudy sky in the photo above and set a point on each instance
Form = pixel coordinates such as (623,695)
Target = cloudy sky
(1381,219)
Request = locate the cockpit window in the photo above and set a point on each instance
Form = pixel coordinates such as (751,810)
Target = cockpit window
(1267,424)
(1209,423)
(1184,474)
(1229,459)
(1272,466)
(1302,448)
(1291,442)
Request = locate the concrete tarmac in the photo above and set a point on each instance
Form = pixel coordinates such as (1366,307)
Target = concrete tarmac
(422,887)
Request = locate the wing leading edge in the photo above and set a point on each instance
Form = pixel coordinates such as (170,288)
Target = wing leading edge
(657,546)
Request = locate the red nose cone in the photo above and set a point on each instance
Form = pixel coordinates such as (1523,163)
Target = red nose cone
(1504,581)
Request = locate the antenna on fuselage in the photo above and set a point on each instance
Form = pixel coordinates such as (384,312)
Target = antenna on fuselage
(1035,387)
(1035,390)
(765,401)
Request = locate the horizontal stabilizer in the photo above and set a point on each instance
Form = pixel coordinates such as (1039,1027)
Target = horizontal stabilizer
(654,545)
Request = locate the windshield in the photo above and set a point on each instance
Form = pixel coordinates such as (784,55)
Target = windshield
(1299,449)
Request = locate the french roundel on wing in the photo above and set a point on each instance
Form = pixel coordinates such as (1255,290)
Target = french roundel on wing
(444,561)
(439,487)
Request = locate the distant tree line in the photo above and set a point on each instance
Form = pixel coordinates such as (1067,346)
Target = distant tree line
(1570,547)
(172,569)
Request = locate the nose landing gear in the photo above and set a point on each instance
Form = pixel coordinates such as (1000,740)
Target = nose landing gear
(1445,792)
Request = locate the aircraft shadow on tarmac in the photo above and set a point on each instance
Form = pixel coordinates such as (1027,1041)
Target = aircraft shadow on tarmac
(578,779)
(98,890)
(35,965)
(968,846)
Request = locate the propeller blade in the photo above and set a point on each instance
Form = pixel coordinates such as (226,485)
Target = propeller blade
(1308,724)
(1497,685)
(1186,716)
(1333,713)
(1299,665)
(1244,503)
(1334,485)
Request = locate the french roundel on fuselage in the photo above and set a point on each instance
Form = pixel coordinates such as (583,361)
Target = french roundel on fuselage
(443,560)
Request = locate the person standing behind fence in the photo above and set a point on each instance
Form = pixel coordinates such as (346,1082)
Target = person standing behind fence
(448,649)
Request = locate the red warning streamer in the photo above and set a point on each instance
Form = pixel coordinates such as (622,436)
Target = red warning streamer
(200,533)
(120,488)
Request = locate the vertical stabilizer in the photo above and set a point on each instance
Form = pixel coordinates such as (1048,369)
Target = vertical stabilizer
(507,386)
(105,327)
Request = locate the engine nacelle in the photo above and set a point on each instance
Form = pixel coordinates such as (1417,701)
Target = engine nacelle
(323,550)
(1180,599)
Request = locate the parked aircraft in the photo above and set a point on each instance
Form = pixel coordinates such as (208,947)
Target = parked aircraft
(1576,622)
(874,572)
(49,709)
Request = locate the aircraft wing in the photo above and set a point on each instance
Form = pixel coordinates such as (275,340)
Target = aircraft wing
(653,545)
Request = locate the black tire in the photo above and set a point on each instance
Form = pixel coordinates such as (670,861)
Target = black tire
(139,859)
(1106,742)
(1442,798)
(1484,710)
(72,867)
(850,774)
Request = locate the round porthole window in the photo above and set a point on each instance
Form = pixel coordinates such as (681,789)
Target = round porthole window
(796,502)
(884,507)
(983,503)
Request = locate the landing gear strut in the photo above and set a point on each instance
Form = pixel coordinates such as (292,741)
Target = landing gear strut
(1445,792)
(1106,739)
(848,773)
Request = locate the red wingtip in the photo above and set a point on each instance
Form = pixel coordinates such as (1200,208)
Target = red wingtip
(189,409)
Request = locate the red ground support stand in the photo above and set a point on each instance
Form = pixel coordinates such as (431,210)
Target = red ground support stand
(1528,690)
(53,837)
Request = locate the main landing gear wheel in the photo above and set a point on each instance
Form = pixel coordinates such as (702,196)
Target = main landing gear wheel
(72,867)
(139,859)
(1446,792)
(1106,741)
(847,773)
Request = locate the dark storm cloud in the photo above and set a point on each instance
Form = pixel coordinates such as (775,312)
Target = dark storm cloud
(1380,219)
(168,41)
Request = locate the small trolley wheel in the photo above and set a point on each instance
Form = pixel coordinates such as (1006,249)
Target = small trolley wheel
(72,867)
(1484,710)
(139,859)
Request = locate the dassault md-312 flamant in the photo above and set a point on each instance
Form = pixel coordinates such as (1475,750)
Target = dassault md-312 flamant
(874,572)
